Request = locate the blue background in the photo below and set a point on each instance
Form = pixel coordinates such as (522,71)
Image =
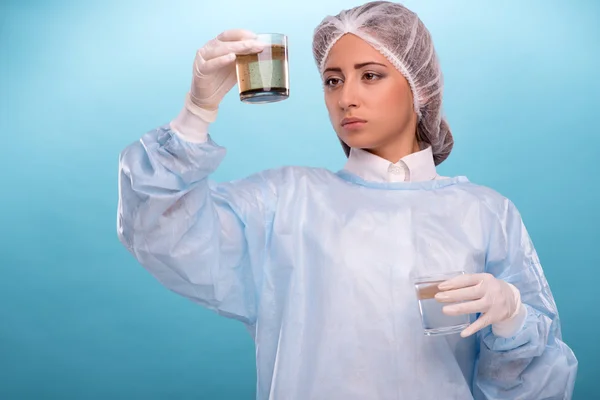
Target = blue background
(80,319)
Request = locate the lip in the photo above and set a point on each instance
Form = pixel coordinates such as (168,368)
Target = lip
(353,120)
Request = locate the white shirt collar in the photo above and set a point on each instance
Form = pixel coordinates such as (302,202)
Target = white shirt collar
(414,167)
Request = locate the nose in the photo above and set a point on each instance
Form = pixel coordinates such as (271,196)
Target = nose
(348,96)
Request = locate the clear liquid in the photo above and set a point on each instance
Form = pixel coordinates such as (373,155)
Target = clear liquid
(263,77)
(434,321)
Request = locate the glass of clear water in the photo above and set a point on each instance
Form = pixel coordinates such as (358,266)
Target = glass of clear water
(434,321)
(264,77)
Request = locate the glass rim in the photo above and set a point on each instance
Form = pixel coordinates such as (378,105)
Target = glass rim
(437,277)
(272,35)
(269,33)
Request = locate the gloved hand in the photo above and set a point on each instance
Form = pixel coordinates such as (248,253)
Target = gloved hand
(214,66)
(213,76)
(498,302)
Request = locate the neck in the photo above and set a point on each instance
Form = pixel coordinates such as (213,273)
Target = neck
(401,147)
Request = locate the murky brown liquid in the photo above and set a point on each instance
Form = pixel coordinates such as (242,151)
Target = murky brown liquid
(429,291)
(263,77)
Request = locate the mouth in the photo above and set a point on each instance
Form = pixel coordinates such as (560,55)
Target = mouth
(352,123)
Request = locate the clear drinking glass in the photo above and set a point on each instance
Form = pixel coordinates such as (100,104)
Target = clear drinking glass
(264,77)
(434,321)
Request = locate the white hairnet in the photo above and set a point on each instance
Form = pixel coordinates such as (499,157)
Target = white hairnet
(403,39)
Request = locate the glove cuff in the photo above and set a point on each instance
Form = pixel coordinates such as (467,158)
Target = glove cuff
(192,122)
(512,325)
(208,116)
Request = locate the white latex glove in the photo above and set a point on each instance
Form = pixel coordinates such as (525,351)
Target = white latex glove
(213,76)
(498,302)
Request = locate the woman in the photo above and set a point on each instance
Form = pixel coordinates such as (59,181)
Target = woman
(319,265)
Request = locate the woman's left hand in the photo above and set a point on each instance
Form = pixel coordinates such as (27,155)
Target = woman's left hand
(496,300)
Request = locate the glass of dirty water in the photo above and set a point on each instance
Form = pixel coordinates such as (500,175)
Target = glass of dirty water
(264,77)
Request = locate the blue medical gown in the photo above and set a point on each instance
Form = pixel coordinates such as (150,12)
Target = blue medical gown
(319,267)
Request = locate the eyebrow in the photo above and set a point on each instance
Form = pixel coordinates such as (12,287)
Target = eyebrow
(356,66)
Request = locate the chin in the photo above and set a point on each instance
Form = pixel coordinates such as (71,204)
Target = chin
(360,141)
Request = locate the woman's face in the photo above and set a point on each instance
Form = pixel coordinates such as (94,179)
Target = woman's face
(360,83)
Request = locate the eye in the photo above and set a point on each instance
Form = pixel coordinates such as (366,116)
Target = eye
(330,82)
(370,76)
